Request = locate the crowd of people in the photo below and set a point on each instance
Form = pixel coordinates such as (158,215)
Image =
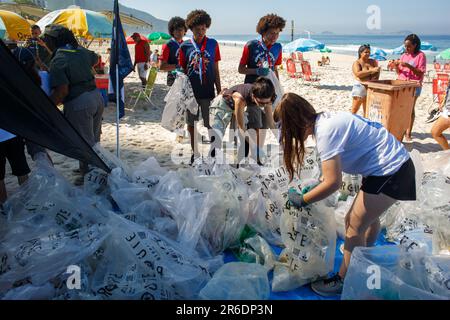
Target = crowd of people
(345,142)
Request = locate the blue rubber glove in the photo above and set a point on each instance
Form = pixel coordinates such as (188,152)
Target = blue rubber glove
(296,199)
(262,72)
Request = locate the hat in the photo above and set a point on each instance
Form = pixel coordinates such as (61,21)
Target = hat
(54,30)
(135,35)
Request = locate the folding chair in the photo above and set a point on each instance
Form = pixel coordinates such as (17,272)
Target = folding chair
(307,73)
(299,56)
(447,68)
(292,69)
(146,93)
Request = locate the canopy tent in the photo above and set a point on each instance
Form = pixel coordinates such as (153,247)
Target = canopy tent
(28,112)
(83,23)
(13,26)
(128,20)
(28,11)
(303,45)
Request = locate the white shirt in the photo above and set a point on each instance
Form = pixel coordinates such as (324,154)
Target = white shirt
(5,135)
(365,147)
(154,57)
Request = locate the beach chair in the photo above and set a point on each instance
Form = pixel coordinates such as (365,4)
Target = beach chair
(447,68)
(437,67)
(299,56)
(307,73)
(291,69)
(146,93)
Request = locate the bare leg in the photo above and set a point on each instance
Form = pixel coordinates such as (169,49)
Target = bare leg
(439,127)
(144,82)
(365,211)
(364,104)
(191,134)
(372,233)
(408,136)
(356,104)
(3,194)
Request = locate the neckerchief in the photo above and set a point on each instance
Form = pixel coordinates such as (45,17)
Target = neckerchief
(200,52)
(266,50)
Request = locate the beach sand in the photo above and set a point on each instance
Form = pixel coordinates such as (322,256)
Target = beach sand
(141,135)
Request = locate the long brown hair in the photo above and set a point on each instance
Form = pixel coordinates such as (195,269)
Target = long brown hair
(296,116)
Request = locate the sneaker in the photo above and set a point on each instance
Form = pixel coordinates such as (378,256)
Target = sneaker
(329,287)
(434,115)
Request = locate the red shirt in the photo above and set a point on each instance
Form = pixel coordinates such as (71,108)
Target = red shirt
(139,52)
(246,55)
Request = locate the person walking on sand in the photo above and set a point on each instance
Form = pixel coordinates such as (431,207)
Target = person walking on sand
(170,51)
(199,58)
(364,69)
(354,145)
(412,66)
(141,57)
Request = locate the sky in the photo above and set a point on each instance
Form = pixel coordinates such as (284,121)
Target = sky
(340,17)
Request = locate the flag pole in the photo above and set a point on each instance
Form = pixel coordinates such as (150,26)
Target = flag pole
(117,110)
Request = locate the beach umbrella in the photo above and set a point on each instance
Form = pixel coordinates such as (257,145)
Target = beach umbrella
(13,26)
(130,40)
(378,57)
(303,45)
(444,55)
(83,23)
(398,51)
(424,46)
(378,52)
(155,36)
(325,50)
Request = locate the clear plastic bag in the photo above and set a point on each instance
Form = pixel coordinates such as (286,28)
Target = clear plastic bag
(392,273)
(309,235)
(141,264)
(238,281)
(179,99)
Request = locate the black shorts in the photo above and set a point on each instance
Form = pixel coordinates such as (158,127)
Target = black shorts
(400,186)
(14,151)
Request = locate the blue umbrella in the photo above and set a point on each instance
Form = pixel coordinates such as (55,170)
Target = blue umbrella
(424,46)
(303,45)
(378,57)
(378,52)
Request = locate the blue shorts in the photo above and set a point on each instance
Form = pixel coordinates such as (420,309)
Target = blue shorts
(418,92)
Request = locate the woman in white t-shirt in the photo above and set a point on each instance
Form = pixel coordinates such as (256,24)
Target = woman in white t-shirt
(351,144)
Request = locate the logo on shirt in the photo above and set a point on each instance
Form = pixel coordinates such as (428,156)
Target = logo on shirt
(261,57)
(194,62)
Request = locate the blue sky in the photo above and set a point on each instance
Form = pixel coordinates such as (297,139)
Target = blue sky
(341,17)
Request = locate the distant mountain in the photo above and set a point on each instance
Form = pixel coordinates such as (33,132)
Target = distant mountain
(327,33)
(101,5)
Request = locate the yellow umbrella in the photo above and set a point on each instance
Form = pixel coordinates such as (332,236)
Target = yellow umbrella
(83,23)
(16,27)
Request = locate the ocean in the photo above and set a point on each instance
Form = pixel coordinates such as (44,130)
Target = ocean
(349,44)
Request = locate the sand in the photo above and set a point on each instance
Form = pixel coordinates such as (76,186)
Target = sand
(141,135)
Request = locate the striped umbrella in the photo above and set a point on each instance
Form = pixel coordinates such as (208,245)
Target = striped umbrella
(83,23)
(13,26)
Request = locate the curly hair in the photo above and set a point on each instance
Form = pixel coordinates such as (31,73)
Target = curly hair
(176,23)
(270,21)
(198,18)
